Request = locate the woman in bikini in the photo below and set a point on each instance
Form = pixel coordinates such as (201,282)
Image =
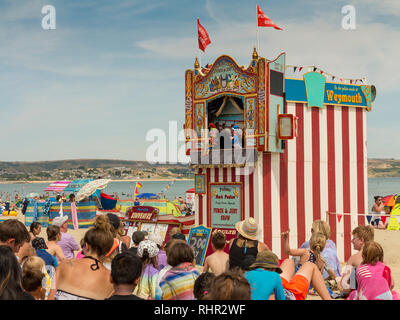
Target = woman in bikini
(87,278)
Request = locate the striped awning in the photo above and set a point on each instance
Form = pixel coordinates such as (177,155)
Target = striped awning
(57,186)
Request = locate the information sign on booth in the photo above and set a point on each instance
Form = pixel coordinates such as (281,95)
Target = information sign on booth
(226,204)
(198,240)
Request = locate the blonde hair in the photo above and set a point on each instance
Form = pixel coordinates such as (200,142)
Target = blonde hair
(321,226)
(33,263)
(317,244)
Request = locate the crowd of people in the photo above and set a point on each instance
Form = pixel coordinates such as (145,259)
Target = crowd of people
(107,264)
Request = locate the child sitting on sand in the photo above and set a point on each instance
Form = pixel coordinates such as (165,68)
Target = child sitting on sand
(317,244)
(374,279)
(218,262)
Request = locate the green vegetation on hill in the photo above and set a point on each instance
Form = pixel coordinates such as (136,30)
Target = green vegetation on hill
(90,168)
(125,169)
(380,168)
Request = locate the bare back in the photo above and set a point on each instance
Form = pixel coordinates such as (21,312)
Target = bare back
(55,250)
(217,263)
(75,276)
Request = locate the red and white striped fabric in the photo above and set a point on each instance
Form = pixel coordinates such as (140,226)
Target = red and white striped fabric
(57,186)
(323,169)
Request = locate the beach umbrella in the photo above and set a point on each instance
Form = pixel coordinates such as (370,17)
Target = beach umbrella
(32,195)
(147,196)
(76,185)
(57,186)
(91,187)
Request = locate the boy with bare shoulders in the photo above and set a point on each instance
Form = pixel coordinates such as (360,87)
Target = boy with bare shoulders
(361,235)
(53,236)
(218,262)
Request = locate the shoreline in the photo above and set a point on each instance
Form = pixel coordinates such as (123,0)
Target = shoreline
(119,180)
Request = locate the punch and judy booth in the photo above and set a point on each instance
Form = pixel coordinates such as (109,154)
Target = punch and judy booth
(293,150)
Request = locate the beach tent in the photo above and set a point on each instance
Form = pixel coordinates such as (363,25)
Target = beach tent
(147,196)
(164,206)
(76,185)
(57,186)
(108,202)
(394,222)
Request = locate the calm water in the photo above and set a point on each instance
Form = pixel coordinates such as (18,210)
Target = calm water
(376,186)
(178,188)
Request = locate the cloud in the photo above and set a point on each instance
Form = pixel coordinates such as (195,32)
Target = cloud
(369,51)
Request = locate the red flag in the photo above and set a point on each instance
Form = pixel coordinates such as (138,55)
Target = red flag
(264,21)
(204,39)
(339,216)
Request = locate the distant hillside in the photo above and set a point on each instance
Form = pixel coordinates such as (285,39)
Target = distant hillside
(90,168)
(383,168)
(32,167)
(125,169)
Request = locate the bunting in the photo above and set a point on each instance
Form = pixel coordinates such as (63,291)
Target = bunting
(333,77)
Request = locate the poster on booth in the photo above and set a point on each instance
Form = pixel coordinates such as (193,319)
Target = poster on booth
(229,235)
(226,204)
(198,240)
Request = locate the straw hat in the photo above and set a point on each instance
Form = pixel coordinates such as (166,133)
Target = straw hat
(266,259)
(248,228)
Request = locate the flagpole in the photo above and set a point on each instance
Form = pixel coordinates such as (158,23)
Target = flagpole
(258,36)
(197,38)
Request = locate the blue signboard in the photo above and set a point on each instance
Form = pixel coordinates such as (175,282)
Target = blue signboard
(198,241)
(334,93)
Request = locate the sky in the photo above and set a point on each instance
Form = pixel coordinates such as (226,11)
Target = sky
(112,71)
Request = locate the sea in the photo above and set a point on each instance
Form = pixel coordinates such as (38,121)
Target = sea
(376,186)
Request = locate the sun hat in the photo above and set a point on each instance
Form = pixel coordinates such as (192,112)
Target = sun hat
(248,228)
(59,221)
(151,247)
(155,237)
(39,243)
(266,259)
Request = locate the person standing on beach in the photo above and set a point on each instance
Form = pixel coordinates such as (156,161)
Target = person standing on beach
(67,242)
(378,209)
